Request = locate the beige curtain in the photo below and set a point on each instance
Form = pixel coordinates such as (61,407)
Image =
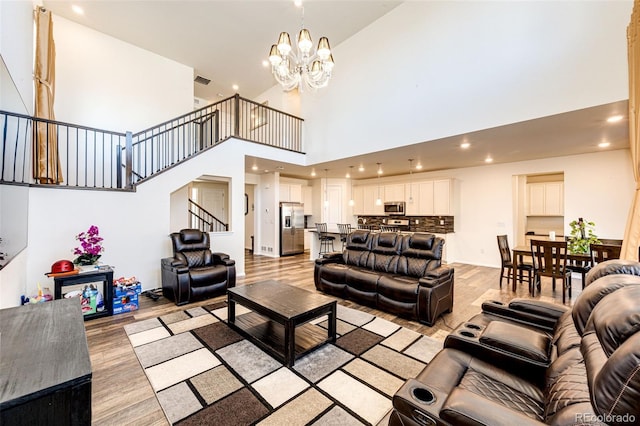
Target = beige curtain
(632,233)
(46,162)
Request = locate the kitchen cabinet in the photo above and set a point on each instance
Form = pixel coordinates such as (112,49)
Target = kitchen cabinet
(442,197)
(394,192)
(307,199)
(422,194)
(291,193)
(545,199)
(364,198)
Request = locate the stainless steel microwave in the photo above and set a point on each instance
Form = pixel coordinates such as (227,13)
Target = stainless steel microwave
(394,208)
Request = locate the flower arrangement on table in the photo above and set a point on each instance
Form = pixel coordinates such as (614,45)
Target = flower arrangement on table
(90,247)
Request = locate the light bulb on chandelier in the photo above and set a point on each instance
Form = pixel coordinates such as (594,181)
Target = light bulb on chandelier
(291,69)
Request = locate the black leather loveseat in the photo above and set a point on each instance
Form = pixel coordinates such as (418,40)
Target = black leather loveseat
(398,273)
(506,367)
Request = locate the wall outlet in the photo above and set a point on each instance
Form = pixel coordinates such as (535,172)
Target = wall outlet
(417,221)
(364,220)
(441,221)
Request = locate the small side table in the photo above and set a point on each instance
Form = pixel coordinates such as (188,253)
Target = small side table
(104,276)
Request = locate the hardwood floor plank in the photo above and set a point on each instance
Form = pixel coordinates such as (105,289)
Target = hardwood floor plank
(122,395)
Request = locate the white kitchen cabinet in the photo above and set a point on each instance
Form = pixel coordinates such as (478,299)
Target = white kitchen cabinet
(358,200)
(291,192)
(545,199)
(422,194)
(442,197)
(307,199)
(394,192)
(370,193)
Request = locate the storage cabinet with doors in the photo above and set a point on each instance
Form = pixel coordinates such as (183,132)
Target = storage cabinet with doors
(291,192)
(422,194)
(307,199)
(545,199)
(442,197)
(365,197)
(394,192)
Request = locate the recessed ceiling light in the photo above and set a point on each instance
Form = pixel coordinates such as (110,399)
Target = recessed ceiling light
(465,145)
(488,160)
(77,9)
(614,118)
(254,167)
(419,166)
(604,144)
(313,173)
(297,3)
(235,87)
(361,168)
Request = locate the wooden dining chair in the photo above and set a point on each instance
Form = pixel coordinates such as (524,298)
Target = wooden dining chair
(507,264)
(550,260)
(604,252)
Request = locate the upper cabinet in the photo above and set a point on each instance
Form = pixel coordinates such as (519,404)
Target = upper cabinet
(545,199)
(291,192)
(394,192)
(307,199)
(430,198)
(423,198)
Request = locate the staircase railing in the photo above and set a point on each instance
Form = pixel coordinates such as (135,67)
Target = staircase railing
(94,158)
(203,220)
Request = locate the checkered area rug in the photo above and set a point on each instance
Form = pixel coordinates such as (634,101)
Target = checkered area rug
(204,372)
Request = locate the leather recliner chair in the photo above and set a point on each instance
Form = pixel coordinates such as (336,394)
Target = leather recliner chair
(194,272)
(510,371)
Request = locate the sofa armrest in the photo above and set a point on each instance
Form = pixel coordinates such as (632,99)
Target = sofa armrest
(437,276)
(531,312)
(174,264)
(218,256)
(330,258)
(464,407)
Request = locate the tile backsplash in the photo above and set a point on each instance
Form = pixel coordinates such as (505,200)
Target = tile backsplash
(433,224)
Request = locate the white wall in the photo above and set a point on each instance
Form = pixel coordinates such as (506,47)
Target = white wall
(428,70)
(16,48)
(105,83)
(597,187)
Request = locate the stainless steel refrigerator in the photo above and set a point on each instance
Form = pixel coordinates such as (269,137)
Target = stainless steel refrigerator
(291,228)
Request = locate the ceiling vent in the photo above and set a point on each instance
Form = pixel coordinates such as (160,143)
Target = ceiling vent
(200,79)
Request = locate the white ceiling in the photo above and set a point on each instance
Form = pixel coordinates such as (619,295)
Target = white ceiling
(226,41)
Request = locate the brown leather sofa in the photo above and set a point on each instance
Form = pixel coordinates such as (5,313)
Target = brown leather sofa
(503,367)
(194,272)
(398,273)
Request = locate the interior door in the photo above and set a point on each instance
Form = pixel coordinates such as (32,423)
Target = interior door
(213,200)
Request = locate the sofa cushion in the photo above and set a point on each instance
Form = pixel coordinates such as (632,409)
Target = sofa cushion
(357,247)
(421,245)
(385,248)
(201,277)
(399,288)
(362,279)
(566,381)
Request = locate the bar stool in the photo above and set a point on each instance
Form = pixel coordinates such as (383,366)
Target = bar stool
(325,239)
(345,230)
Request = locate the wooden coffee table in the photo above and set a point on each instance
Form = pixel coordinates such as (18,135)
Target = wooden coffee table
(279,321)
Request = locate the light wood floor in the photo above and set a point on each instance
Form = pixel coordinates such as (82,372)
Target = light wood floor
(122,395)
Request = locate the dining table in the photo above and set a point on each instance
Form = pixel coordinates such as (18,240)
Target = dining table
(577,262)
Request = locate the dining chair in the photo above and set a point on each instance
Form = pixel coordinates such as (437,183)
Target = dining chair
(507,264)
(325,239)
(345,230)
(550,260)
(604,252)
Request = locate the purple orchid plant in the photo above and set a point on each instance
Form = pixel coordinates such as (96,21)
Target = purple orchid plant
(90,247)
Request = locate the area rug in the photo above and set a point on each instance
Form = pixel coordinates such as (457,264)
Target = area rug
(204,372)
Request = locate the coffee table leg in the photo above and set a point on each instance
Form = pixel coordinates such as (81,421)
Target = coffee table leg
(289,343)
(231,311)
(332,323)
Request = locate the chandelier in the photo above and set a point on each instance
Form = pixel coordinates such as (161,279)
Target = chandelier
(291,68)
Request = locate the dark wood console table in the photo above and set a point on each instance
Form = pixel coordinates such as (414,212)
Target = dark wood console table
(46,370)
(104,276)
